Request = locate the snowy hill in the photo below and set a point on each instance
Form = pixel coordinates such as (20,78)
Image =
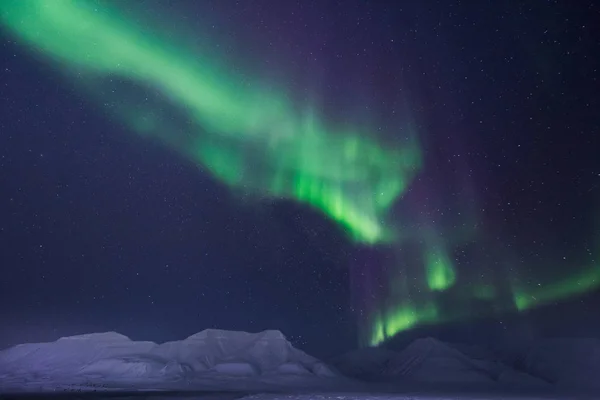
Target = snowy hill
(265,361)
(430,361)
(567,363)
(206,358)
(548,364)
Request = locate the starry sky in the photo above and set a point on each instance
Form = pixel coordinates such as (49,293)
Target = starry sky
(121,209)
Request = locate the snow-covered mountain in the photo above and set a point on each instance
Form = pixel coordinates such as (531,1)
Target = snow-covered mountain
(570,364)
(429,361)
(205,358)
(267,361)
(567,363)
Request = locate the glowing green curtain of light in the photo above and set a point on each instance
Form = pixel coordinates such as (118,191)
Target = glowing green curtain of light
(342,172)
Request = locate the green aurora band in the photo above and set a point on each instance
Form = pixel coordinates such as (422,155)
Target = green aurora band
(339,171)
(408,314)
(254,140)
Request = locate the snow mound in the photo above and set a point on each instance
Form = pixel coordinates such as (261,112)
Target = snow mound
(112,357)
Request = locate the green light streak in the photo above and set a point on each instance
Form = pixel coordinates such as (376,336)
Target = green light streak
(440,271)
(401,318)
(579,283)
(404,317)
(244,134)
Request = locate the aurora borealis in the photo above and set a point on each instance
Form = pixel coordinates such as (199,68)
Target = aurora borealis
(341,171)
(264,140)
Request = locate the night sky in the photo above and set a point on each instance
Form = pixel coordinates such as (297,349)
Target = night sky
(109,222)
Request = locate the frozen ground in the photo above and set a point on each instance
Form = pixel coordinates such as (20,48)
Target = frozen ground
(265,366)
